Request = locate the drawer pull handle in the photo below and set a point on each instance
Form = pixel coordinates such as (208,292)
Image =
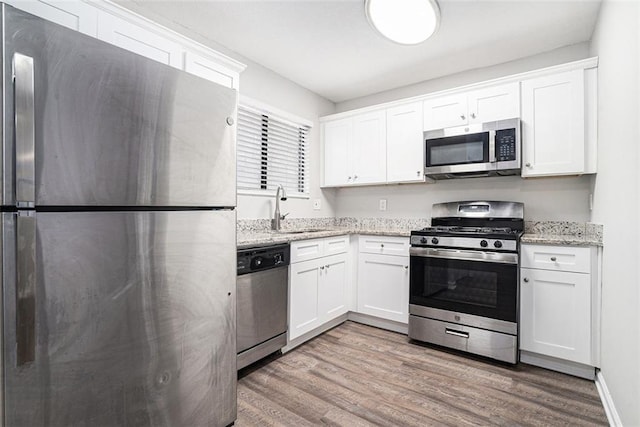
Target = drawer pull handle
(526,280)
(457,333)
(406,267)
(382,245)
(553,259)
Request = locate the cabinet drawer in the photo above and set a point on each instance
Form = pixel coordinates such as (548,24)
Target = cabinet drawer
(557,258)
(384,245)
(304,250)
(336,245)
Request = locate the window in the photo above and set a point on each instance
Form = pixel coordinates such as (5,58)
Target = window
(272,150)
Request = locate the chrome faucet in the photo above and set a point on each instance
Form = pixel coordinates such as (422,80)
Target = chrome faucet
(275,222)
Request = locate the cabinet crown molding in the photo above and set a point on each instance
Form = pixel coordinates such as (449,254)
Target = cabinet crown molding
(583,64)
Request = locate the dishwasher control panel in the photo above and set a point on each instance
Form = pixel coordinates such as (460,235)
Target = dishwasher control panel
(263,258)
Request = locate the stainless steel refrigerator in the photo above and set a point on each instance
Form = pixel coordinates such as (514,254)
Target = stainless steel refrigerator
(118,235)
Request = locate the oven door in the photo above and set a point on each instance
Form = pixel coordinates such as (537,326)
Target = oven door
(478,283)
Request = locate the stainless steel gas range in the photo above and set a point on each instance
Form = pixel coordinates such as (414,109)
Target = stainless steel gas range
(464,278)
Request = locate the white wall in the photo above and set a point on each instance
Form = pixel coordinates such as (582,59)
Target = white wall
(616,201)
(266,86)
(561,199)
(547,59)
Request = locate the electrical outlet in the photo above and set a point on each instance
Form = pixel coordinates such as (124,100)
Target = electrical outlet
(316,204)
(383,204)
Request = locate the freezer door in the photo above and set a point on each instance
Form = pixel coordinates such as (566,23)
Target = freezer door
(111,128)
(134,318)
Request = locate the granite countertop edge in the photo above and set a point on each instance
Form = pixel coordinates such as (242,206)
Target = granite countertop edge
(247,240)
(264,238)
(560,239)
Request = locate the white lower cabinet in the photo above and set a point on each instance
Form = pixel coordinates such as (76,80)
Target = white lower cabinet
(556,314)
(383,280)
(559,305)
(318,287)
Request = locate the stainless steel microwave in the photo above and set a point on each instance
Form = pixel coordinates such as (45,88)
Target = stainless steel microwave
(483,149)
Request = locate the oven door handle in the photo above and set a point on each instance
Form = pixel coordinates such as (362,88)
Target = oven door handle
(463,255)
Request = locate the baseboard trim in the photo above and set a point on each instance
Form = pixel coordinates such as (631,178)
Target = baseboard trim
(377,322)
(607,401)
(565,366)
(314,333)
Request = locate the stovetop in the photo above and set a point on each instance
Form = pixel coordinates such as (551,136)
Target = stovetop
(506,232)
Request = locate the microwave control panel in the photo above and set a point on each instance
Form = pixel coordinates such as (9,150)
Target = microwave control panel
(505,145)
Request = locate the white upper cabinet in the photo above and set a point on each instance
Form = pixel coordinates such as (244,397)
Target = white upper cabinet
(76,15)
(337,137)
(368,148)
(355,150)
(405,151)
(445,112)
(208,69)
(116,25)
(129,36)
(494,103)
(478,106)
(553,125)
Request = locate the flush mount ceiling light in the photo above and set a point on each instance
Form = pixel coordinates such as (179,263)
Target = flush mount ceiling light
(403,21)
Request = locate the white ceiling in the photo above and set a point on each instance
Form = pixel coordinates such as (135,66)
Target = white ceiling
(328,46)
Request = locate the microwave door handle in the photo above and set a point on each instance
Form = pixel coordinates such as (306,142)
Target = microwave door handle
(492,146)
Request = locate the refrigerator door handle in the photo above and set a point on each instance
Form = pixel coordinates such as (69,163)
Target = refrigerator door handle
(26,287)
(23,77)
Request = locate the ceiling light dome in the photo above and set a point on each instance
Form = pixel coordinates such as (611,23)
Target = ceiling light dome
(403,21)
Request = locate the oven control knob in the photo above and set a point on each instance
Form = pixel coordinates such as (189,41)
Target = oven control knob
(257,261)
(423,240)
(483,243)
(435,240)
(497,244)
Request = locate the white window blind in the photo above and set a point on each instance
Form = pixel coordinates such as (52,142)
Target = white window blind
(272,150)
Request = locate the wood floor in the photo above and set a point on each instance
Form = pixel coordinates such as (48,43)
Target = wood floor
(356,375)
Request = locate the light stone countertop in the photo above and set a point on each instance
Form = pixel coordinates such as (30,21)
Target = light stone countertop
(253,233)
(248,239)
(560,239)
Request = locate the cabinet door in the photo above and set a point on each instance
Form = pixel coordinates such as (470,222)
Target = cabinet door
(383,286)
(333,293)
(494,103)
(553,118)
(555,314)
(207,69)
(445,112)
(337,136)
(139,40)
(304,283)
(76,15)
(368,154)
(405,147)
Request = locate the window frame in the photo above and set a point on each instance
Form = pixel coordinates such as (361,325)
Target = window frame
(291,119)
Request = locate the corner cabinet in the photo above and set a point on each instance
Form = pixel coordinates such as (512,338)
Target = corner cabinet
(376,147)
(383,277)
(318,283)
(559,308)
(116,25)
(558,124)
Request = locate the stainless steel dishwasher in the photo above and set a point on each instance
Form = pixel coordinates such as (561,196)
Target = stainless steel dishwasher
(262,306)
